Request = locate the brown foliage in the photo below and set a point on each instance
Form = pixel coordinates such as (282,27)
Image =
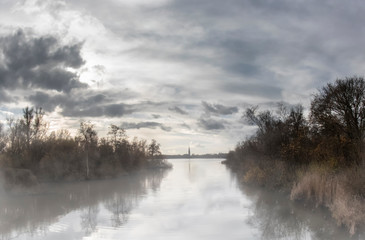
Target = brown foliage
(59,157)
(18,178)
(321,160)
(341,192)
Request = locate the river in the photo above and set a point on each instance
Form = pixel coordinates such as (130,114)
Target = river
(197,199)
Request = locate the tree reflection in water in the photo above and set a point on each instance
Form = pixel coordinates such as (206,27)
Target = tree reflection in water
(89,219)
(120,207)
(277,217)
(33,214)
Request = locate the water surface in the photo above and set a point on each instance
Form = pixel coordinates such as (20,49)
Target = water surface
(197,199)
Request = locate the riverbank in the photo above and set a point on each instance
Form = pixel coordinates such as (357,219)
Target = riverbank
(29,154)
(319,159)
(341,192)
(24,181)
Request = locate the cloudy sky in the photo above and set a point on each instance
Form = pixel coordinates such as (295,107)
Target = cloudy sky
(179,71)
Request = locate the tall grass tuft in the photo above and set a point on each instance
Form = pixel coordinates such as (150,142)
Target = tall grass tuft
(341,193)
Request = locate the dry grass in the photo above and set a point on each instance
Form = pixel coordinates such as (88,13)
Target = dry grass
(255,175)
(342,193)
(18,179)
(315,186)
(348,209)
(273,174)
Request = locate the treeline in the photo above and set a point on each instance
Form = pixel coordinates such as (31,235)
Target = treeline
(27,151)
(319,158)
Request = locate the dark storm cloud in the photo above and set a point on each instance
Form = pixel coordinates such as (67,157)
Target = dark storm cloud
(238,55)
(246,38)
(235,51)
(201,10)
(107,110)
(5,97)
(38,62)
(81,104)
(184,125)
(178,110)
(266,41)
(211,124)
(46,101)
(73,100)
(261,50)
(218,109)
(90,103)
(253,89)
(139,125)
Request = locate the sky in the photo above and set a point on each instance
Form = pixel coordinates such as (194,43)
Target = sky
(179,71)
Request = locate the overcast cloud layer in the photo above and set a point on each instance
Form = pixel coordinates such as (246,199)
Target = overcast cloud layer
(179,71)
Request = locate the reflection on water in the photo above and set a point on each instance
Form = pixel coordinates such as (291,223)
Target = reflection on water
(199,199)
(38,216)
(276,217)
(89,218)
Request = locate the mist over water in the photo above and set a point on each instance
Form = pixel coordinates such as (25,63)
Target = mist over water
(197,199)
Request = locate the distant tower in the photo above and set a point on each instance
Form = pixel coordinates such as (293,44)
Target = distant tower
(189,151)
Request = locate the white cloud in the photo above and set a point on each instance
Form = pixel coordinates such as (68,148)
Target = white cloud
(183,52)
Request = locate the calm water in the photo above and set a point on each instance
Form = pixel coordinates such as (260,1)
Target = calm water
(199,199)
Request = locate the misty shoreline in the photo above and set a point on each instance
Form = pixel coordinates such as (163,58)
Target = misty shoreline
(34,211)
(29,154)
(319,160)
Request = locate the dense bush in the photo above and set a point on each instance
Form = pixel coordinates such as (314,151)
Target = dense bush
(320,159)
(58,156)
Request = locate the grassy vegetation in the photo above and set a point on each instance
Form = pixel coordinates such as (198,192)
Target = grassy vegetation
(29,154)
(319,159)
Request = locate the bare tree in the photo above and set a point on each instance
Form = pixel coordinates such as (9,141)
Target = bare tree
(154,149)
(339,110)
(33,125)
(3,137)
(117,134)
(27,123)
(89,139)
(265,120)
(39,125)
(16,137)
